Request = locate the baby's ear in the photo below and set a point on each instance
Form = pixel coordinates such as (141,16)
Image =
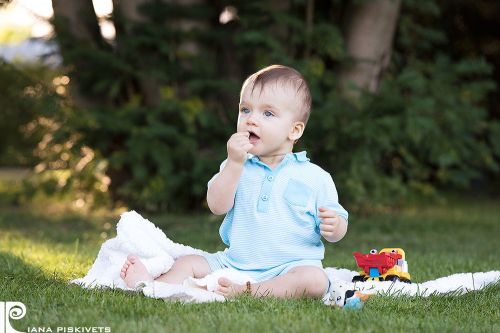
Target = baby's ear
(296,131)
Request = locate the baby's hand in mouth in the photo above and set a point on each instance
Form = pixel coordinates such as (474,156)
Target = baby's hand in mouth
(238,146)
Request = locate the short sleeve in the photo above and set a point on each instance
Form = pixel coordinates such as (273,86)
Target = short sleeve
(327,197)
(222,165)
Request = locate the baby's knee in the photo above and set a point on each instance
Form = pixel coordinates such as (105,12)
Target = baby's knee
(314,281)
(196,263)
(318,282)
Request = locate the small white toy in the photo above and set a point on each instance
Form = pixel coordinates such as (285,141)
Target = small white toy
(343,296)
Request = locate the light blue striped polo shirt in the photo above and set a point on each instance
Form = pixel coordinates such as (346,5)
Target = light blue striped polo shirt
(274,222)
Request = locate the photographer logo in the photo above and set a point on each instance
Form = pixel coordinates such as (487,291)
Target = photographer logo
(8,311)
(17,310)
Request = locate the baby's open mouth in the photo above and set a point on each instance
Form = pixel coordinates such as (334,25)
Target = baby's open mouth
(253,137)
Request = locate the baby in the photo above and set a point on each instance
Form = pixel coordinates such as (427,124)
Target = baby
(277,203)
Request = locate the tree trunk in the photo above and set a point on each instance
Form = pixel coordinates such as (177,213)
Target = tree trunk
(75,24)
(187,46)
(127,14)
(368,32)
(187,25)
(79,18)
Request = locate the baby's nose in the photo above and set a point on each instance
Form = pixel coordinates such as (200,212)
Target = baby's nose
(251,120)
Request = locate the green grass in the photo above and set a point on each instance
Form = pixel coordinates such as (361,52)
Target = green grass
(42,248)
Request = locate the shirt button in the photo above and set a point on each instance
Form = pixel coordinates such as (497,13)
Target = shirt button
(264,197)
(270,178)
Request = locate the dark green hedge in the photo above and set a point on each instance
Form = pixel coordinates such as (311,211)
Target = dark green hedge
(427,127)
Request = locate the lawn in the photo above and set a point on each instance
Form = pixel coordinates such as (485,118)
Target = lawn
(43,247)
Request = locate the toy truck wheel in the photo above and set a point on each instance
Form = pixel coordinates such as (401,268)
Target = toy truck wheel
(393,278)
(358,278)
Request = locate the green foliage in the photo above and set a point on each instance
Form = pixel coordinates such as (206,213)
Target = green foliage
(22,99)
(424,128)
(163,101)
(34,134)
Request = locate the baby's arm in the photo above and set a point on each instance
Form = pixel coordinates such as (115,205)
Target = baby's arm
(221,192)
(332,216)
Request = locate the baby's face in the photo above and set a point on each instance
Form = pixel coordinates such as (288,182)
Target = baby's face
(269,116)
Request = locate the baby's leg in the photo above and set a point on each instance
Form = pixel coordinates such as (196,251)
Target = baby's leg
(133,270)
(300,281)
(188,266)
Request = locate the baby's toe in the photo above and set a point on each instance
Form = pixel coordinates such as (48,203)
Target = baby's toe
(222,291)
(131,258)
(224,282)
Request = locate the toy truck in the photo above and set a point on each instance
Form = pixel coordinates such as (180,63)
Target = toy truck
(387,265)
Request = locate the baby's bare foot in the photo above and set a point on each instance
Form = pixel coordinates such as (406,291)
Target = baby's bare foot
(229,289)
(133,271)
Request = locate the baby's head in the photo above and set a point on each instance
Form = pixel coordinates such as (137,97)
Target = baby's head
(275,104)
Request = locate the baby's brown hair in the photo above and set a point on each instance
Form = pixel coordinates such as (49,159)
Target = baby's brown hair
(287,76)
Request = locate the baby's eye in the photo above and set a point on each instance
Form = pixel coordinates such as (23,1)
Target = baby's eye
(268,114)
(244,110)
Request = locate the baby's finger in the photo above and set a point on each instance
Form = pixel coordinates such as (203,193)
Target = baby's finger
(330,221)
(322,232)
(239,138)
(326,227)
(327,213)
(244,141)
(243,133)
(242,137)
(236,135)
(326,234)
(240,143)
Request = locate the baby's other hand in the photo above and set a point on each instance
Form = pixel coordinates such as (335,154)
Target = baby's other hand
(329,223)
(238,146)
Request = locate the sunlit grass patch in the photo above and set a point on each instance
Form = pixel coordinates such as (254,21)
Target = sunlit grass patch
(64,260)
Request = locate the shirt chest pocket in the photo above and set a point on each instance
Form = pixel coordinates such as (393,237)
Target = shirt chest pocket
(297,193)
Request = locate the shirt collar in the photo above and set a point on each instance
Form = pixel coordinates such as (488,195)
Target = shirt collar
(299,157)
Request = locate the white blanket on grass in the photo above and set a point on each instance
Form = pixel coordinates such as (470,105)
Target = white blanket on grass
(139,236)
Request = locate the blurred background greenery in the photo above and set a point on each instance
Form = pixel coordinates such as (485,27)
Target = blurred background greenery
(140,104)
